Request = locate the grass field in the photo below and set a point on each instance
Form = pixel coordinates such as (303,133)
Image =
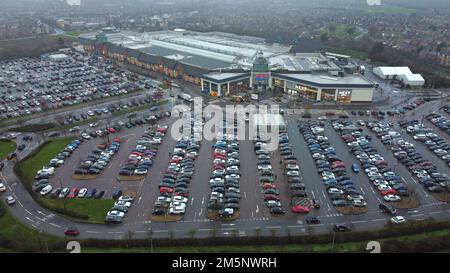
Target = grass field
(34,163)
(75,33)
(95,209)
(6,147)
(390,10)
(352,53)
(341,31)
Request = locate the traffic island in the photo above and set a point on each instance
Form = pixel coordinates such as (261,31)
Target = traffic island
(166,218)
(214,215)
(351,210)
(84,177)
(406,203)
(443,196)
(131,178)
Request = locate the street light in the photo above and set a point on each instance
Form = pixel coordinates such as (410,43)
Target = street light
(63,199)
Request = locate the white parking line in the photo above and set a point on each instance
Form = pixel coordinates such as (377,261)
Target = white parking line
(358,222)
(362,190)
(274,227)
(90,231)
(115,232)
(294,226)
(55,225)
(29,219)
(417,215)
(435,212)
(378,220)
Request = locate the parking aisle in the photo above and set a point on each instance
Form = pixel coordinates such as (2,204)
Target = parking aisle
(148,190)
(199,186)
(311,178)
(252,205)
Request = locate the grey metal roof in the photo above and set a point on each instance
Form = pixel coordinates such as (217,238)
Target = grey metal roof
(192,59)
(325,80)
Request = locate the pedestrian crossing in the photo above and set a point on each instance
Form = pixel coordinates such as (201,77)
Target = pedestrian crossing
(331,215)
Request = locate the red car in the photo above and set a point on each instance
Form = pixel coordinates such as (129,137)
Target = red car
(184,194)
(165,189)
(271,197)
(73,193)
(299,209)
(220,156)
(118,140)
(387,192)
(71,231)
(111,130)
(267,186)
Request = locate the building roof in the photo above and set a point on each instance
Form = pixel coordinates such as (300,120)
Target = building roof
(349,81)
(412,79)
(268,120)
(394,70)
(307,45)
(221,77)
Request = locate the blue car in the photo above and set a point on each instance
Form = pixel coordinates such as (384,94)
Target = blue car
(355,168)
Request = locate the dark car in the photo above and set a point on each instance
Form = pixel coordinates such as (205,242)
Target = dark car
(21,147)
(116,194)
(340,227)
(277,210)
(312,220)
(386,208)
(99,194)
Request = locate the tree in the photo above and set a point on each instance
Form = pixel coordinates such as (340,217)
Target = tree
(273,232)
(258,232)
(351,30)
(332,28)
(61,41)
(377,49)
(324,37)
(192,232)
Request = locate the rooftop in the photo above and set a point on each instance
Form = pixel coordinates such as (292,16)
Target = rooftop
(327,81)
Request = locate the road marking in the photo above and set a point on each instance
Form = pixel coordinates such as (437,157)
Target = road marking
(228,224)
(413,211)
(257,208)
(140,231)
(417,215)
(115,232)
(435,212)
(55,225)
(294,226)
(252,215)
(192,201)
(362,191)
(329,208)
(159,231)
(200,213)
(204,229)
(90,231)
(40,212)
(314,196)
(274,227)
(324,196)
(29,219)
(20,203)
(358,222)
(40,219)
(373,191)
(203,200)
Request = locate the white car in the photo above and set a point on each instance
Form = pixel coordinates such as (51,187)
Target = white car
(398,220)
(82,192)
(49,171)
(335,191)
(164,199)
(292,167)
(116,213)
(2,187)
(293,173)
(123,203)
(264,167)
(392,198)
(232,176)
(140,172)
(10,200)
(175,204)
(85,136)
(180,199)
(233,168)
(92,125)
(46,190)
(177,210)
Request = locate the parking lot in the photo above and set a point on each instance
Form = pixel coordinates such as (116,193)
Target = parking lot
(31,85)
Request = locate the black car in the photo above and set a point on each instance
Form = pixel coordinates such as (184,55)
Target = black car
(277,210)
(21,147)
(387,209)
(312,220)
(340,227)
(116,194)
(158,212)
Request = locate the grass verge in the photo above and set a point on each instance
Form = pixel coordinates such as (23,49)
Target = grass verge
(6,146)
(356,54)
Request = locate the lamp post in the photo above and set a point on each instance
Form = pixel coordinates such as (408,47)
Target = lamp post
(63,199)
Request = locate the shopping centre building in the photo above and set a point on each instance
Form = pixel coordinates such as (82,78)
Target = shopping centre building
(224,64)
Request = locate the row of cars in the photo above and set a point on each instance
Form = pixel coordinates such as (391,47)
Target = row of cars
(142,156)
(117,213)
(174,186)
(437,145)
(225,178)
(64,192)
(267,176)
(405,153)
(383,178)
(99,158)
(340,187)
(440,121)
(41,180)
